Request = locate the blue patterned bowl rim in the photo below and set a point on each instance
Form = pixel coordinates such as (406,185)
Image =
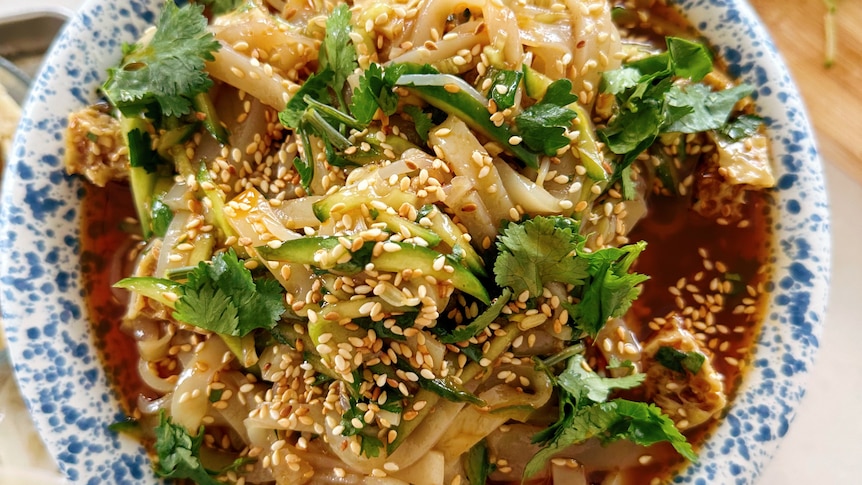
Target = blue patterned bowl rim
(52,347)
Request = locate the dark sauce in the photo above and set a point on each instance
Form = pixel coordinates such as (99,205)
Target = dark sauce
(107,240)
(675,235)
(677,239)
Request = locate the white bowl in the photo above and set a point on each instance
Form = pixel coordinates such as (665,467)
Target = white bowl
(54,351)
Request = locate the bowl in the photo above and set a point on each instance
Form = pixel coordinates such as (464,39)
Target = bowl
(55,354)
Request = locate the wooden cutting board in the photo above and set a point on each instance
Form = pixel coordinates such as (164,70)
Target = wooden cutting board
(832,95)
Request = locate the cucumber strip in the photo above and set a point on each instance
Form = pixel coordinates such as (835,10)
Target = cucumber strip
(442,225)
(153,288)
(349,198)
(141,181)
(173,137)
(486,318)
(424,259)
(407,256)
(204,104)
(465,103)
(398,224)
(216,198)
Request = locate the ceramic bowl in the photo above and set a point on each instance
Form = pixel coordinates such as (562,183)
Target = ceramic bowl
(53,348)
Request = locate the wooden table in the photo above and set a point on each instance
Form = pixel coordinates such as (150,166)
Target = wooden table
(832,95)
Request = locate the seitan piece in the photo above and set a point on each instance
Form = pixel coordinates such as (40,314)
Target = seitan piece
(95,147)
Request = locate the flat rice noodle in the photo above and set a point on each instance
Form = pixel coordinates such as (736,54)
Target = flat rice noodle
(504,403)
(418,444)
(428,470)
(152,379)
(412,160)
(427,434)
(173,237)
(481,226)
(598,224)
(192,385)
(547,36)
(271,89)
(151,345)
(505,33)
(601,47)
(284,472)
(151,407)
(612,330)
(297,214)
(260,225)
(432,17)
(459,147)
(286,48)
(514,446)
(466,36)
(231,107)
(178,196)
(237,411)
(533,198)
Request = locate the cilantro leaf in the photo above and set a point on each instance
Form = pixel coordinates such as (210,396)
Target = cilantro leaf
(373,92)
(543,125)
(305,171)
(646,425)
(584,383)
(179,452)
(585,413)
(218,7)
(207,306)
(619,80)
(559,93)
(169,70)
(224,298)
(486,318)
(537,252)
(421,121)
(477,464)
(742,127)
(641,423)
(550,249)
(634,130)
(129,426)
(338,54)
(610,290)
(707,109)
(504,87)
(650,102)
(680,361)
(583,424)
(689,59)
(315,87)
(369,443)
(162,216)
(310,111)
(403,321)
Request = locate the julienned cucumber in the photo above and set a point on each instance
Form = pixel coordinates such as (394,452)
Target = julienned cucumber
(402,256)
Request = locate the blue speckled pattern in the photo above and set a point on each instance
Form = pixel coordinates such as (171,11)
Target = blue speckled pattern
(52,347)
